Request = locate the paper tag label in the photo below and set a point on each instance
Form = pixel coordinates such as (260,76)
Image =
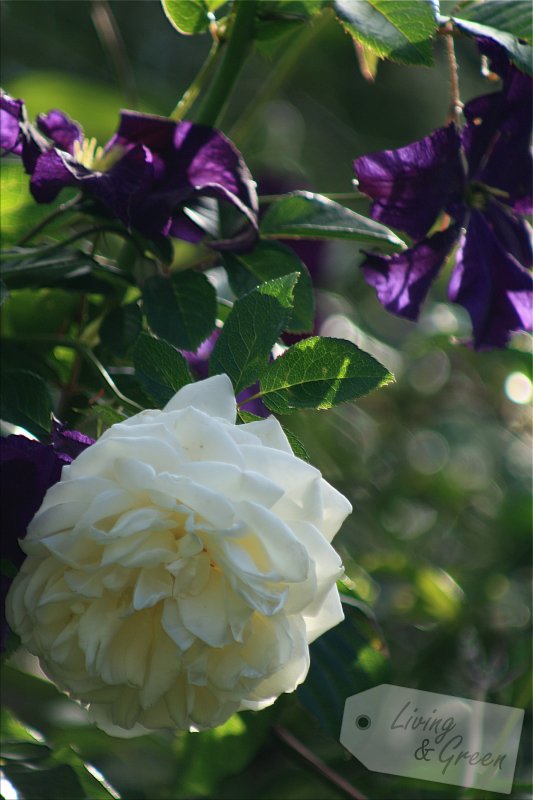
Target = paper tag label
(433,737)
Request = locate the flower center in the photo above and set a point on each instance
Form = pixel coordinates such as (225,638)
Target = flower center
(87,152)
(477,194)
(92,156)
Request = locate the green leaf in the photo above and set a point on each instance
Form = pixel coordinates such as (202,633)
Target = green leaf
(520,54)
(190,16)
(272,260)
(25,401)
(289,9)
(400,30)
(60,266)
(39,772)
(345,660)
(515,17)
(304,215)
(120,328)
(160,368)
(180,309)
(319,373)
(251,330)
(297,447)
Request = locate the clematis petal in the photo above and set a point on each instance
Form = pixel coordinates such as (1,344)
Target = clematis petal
(11,115)
(513,233)
(51,174)
(191,161)
(412,185)
(402,280)
(490,283)
(62,130)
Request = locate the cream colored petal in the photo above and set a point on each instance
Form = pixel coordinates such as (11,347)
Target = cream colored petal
(214,396)
(330,614)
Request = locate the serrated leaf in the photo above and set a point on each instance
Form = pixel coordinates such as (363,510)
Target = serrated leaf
(159,368)
(190,16)
(320,372)
(251,330)
(520,54)
(400,30)
(304,215)
(26,401)
(120,329)
(180,309)
(344,661)
(272,260)
(297,447)
(505,15)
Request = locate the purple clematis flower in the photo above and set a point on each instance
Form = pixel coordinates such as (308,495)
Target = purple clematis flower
(466,190)
(27,470)
(157,176)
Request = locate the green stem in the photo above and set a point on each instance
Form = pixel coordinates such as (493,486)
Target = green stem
(85,352)
(62,209)
(236,51)
(198,83)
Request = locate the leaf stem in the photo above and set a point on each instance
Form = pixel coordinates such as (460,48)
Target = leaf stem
(190,95)
(326,772)
(69,205)
(235,53)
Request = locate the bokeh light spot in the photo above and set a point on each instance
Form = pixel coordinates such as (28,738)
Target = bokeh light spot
(518,388)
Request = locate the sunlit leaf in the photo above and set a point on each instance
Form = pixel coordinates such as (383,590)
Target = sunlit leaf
(251,330)
(320,372)
(400,30)
(271,260)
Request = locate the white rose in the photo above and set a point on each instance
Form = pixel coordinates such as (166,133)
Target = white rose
(180,568)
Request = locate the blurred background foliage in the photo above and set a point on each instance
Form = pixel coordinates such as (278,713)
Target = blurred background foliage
(437,466)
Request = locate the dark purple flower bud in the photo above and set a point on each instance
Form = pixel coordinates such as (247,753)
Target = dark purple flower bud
(490,283)
(411,186)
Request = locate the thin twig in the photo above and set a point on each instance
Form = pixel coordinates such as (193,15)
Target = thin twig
(62,209)
(326,772)
(113,43)
(456,107)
